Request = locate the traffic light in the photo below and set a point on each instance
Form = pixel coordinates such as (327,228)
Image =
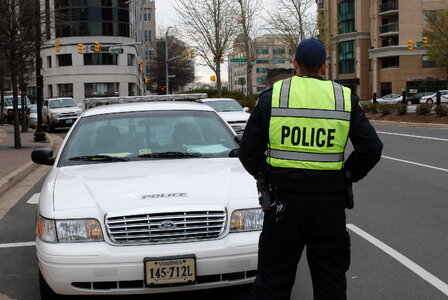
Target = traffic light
(97,46)
(57,47)
(184,55)
(192,54)
(146,80)
(215,61)
(80,49)
(213,78)
(410,45)
(425,41)
(252,60)
(140,66)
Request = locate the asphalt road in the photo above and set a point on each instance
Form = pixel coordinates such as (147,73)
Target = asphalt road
(398,229)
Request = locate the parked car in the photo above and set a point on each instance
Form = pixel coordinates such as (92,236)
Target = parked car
(32,115)
(433,97)
(390,99)
(231,111)
(60,112)
(8,110)
(146,198)
(415,98)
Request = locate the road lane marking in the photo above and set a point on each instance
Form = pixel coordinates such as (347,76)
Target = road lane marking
(34,199)
(414,136)
(414,163)
(15,245)
(431,279)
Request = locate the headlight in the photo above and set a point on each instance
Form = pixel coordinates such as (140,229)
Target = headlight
(246,220)
(54,115)
(78,113)
(67,231)
(86,230)
(45,230)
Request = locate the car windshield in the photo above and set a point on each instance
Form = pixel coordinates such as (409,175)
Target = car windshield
(8,101)
(66,102)
(224,105)
(148,135)
(33,109)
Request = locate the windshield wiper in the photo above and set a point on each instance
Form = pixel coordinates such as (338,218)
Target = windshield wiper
(170,154)
(99,157)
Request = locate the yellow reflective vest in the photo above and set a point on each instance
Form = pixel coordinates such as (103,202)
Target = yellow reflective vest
(310,120)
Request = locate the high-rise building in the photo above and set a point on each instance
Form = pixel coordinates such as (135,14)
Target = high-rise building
(93,48)
(367,45)
(268,53)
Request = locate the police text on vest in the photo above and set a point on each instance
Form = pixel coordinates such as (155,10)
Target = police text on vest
(308,137)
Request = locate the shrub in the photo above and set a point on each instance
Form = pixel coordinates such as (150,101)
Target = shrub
(401,109)
(370,107)
(386,109)
(441,110)
(424,108)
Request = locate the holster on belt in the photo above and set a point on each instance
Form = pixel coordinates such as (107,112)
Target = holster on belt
(350,203)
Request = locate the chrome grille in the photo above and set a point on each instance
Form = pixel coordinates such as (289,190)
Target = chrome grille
(69,114)
(166,227)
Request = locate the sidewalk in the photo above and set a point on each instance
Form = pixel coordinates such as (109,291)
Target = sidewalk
(15,164)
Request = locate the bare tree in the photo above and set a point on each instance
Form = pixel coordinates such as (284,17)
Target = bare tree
(292,20)
(211,26)
(436,31)
(248,13)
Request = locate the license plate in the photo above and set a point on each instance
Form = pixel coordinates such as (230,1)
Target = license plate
(69,121)
(170,270)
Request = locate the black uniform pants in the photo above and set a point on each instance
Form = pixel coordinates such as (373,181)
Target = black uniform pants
(314,220)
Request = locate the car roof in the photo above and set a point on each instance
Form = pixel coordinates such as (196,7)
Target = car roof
(146,106)
(60,98)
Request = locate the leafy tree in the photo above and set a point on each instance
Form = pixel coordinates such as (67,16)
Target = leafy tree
(437,32)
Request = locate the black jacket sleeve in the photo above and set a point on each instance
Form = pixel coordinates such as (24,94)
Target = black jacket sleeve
(255,138)
(366,143)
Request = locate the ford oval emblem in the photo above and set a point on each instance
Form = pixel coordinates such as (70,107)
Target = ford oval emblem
(167,225)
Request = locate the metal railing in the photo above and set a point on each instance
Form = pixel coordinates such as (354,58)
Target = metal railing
(392,5)
(391,27)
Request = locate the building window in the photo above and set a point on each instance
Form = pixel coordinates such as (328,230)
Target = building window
(278,61)
(100,59)
(262,70)
(48,61)
(147,15)
(262,51)
(261,79)
(278,51)
(292,51)
(101,89)
(147,35)
(262,61)
(131,59)
(50,91)
(346,16)
(260,88)
(386,88)
(347,57)
(131,89)
(92,18)
(65,90)
(390,62)
(426,63)
(64,60)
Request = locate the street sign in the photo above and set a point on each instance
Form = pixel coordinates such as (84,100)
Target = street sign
(419,44)
(116,50)
(171,76)
(238,60)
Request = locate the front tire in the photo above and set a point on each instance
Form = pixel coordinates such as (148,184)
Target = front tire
(50,126)
(45,291)
(429,101)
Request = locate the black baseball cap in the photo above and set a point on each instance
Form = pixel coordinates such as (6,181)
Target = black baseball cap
(311,52)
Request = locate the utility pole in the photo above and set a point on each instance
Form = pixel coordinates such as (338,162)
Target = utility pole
(39,135)
(167,82)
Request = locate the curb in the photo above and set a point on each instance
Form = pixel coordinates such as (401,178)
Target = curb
(15,176)
(409,124)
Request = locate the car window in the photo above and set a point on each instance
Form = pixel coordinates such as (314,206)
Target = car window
(33,109)
(224,105)
(136,134)
(9,101)
(58,103)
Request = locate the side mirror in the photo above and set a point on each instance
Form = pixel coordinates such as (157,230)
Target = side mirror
(246,109)
(43,156)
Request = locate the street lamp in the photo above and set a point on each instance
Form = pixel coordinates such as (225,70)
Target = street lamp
(166,61)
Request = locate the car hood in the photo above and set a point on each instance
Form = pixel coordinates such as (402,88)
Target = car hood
(65,109)
(234,115)
(129,185)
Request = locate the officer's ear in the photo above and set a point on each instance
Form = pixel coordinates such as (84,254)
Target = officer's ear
(323,68)
(296,66)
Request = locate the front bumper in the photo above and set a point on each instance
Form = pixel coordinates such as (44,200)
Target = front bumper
(100,268)
(63,122)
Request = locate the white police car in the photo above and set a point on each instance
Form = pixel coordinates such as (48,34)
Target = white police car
(146,198)
(231,111)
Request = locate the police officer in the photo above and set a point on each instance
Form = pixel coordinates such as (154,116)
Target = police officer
(295,141)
